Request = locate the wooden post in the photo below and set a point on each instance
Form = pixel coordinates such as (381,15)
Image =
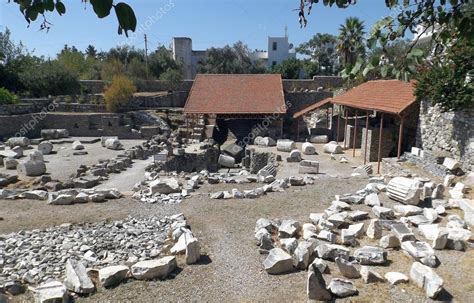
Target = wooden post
(297,130)
(380,143)
(400,138)
(354,139)
(366,136)
(337,130)
(327,118)
(345,128)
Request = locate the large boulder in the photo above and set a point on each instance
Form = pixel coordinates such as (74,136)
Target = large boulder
(152,269)
(342,288)
(53,291)
(112,275)
(31,168)
(316,286)
(347,268)
(113,144)
(77,279)
(371,255)
(308,149)
(77,145)
(226,161)
(278,262)
(424,277)
(165,186)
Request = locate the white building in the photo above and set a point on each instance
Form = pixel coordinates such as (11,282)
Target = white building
(279,50)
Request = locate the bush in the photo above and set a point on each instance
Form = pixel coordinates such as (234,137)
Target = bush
(6,97)
(49,78)
(118,93)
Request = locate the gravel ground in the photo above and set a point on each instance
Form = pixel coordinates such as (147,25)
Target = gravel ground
(231,267)
(62,163)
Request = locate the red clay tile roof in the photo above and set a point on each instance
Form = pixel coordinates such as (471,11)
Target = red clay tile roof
(319,104)
(390,96)
(236,94)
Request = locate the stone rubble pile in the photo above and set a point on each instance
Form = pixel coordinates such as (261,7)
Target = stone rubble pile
(78,259)
(334,237)
(270,184)
(62,197)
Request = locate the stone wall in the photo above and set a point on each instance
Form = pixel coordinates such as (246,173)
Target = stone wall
(301,100)
(97,86)
(77,124)
(447,133)
(25,107)
(312,84)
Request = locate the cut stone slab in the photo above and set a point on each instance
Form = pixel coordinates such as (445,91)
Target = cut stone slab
(357,215)
(370,276)
(332,251)
(424,277)
(405,190)
(327,235)
(371,255)
(402,232)
(113,275)
(316,286)
(418,220)
(152,269)
(374,230)
(451,164)
(342,288)
(193,251)
(309,231)
(302,255)
(63,199)
(383,212)
(420,251)
(372,200)
(165,186)
(77,279)
(53,291)
(389,241)
(395,278)
(347,268)
(289,244)
(278,262)
(320,265)
(468,207)
(408,210)
(308,167)
(288,228)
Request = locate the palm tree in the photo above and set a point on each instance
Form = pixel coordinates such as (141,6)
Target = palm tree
(351,38)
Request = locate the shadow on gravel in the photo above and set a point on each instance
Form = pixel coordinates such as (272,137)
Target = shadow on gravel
(444,296)
(204,260)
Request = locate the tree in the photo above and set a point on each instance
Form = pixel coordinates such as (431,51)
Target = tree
(311,69)
(91,51)
(289,69)
(234,59)
(8,49)
(160,61)
(321,49)
(351,40)
(446,21)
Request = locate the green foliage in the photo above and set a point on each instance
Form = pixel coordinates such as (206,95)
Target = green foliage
(160,61)
(233,59)
(289,69)
(118,93)
(351,40)
(449,82)
(125,15)
(451,20)
(49,78)
(311,69)
(111,68)
(6,97)
(321,49)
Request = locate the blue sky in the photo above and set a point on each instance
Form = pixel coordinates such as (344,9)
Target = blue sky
(207,22)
